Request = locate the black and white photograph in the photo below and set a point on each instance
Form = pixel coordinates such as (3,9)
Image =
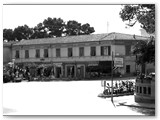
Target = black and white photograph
(79,59)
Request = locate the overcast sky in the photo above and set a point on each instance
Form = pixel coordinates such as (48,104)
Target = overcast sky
(96,15)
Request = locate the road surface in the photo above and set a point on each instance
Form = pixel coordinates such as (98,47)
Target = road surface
(59,98)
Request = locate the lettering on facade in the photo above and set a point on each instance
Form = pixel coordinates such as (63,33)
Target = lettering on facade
(57,64)
(118,62)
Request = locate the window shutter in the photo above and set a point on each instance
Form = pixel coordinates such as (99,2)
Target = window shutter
(102,50)
(109,50)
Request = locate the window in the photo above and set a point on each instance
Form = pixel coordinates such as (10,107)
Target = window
(70,54)
(128,49)
(144,90)
(58,52)
(127,68)
(81,51)
(17,54)
(140,89)
(105,50)
(149,90)
(93,51)
(37,53)
(26,53)
(46,53)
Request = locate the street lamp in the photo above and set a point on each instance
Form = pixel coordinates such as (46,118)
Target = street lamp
(114,66)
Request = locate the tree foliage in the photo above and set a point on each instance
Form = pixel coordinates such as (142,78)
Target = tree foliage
(22,32)
(86,29)
(8,34)
(39,31)
(75,28)
(55,26)
(50,27)
(72,28)
(145,15)
(142,13)
(145,51)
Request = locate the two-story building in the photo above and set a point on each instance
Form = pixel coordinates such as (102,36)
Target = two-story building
(7,52)
(83,56)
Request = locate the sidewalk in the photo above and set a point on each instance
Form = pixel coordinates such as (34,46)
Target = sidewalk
(139,105)
(132,103)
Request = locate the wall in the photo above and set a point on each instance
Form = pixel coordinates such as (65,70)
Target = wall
(7,54)
(120,49)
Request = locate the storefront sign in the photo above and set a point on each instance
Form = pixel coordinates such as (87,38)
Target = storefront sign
(93,64)
(118,62)
(57,64)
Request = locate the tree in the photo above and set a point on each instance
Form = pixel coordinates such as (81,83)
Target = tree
(50,27)
(54,26)
(22,32)
(142,13)
(8,34)
(75,28)
(39,31)
(72,28)
(145,51)
(86,29)
(145,15)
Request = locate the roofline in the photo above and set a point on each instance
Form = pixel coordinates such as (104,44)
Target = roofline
(84,41)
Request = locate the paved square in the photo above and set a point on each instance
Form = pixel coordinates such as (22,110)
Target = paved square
(59,98)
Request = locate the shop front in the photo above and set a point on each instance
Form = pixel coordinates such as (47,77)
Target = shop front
(99,69)
(80,71)
(58,68)
(70,71)
(41,69)
(75,70)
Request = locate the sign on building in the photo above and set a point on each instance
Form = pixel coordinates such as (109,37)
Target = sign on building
(58,64)
(118,62)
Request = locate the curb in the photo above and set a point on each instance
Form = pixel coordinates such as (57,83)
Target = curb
(138,106)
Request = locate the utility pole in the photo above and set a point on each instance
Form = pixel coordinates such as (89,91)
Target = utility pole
(107,26)
(112,78)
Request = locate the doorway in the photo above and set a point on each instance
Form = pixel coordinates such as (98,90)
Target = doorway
(80,71)
(58,72)
(70,71)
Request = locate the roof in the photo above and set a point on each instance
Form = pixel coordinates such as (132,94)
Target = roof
(82,38)
(9,43)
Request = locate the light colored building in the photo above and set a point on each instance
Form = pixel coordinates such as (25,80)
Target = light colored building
(83,56)
(7,52)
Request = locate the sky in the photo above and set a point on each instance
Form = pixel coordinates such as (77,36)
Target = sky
(104,18)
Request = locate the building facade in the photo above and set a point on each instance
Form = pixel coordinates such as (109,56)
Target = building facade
(81,57)
(7,52)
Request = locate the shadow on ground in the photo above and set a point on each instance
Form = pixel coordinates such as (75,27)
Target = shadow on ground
(8,110)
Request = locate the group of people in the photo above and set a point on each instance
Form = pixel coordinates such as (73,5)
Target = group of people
(28,73)
(16,72)
(120,87)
